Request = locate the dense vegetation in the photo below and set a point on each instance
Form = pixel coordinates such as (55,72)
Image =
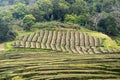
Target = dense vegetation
(99,15)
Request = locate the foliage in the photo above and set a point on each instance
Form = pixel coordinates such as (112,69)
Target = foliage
(108,42)
(79,7)
(71,18)
(28,21)
(42,10)
(19,11)
(81,19)
(52,24)
(108,25)
(5,18)
(117,39)
(61,8)
(3,32)
(92,14)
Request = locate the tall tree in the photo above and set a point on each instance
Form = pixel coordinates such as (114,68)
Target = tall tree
(108,26)
(79,7)
(61,7)
(5,18)
(42,10)
(19,11)
(28,21)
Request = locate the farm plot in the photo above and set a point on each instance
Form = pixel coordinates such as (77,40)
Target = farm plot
(66,41)
(54,66)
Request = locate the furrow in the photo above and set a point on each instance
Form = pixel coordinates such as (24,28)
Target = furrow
(53,42)
(67,46)
(43,46)
(82,39)
(86,40)
(50,35)
(58,41)
(63,43)
(91,40)
(40,38)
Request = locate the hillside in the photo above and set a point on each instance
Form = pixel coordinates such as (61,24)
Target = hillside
(28,60)
(65,41)
(59,39)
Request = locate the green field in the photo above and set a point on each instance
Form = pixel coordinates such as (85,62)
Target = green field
(59,39)
(66,41)
(46,55)
(44,65)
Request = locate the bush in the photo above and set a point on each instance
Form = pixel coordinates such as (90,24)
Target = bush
(28,21)
(108,26)
(52,24)
(76,19)
(11,35)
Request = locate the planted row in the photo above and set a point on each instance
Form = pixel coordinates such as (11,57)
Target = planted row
(66,41)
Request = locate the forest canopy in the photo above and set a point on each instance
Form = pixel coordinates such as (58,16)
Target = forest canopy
(99,15)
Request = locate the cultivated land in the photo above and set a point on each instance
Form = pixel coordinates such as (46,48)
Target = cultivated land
(59,66)
(60,55)
(65,41)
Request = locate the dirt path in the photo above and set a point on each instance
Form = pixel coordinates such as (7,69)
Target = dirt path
(2,47)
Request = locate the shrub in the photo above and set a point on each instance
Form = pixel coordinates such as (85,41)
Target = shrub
(28,21)
(52,24)
(76,19)
(108,26)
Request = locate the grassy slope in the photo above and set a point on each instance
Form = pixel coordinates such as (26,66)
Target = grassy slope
(108,42)
(36,64)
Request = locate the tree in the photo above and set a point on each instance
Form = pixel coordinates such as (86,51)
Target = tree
(19,11)
(3,31)
(70,1)
(82,20)
(5,18)
(73,18)
(79,7)
(28,21)
(108,26)
(61,8)
(42,10)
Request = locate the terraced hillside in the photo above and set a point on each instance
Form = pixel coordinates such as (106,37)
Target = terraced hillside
(52,66)
(66,41)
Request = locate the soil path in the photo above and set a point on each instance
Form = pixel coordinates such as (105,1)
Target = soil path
(2,47)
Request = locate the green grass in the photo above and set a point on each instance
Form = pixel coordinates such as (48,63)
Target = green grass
(108,42)
(117,39)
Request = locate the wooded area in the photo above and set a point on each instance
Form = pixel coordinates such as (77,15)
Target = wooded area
(99,15)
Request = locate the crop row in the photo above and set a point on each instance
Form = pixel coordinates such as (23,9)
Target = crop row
(66,41)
